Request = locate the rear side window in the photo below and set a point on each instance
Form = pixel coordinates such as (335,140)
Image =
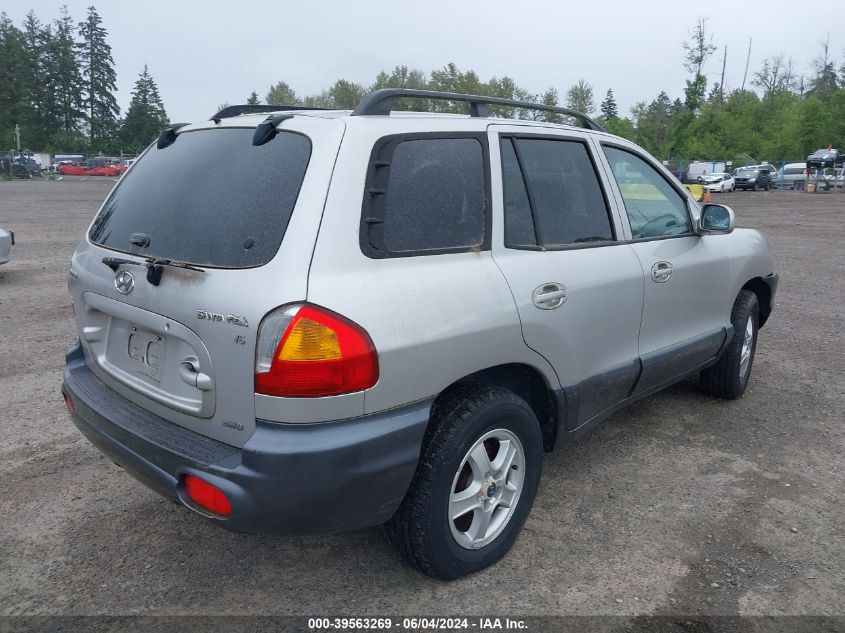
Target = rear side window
(553,197)
(425,196)
(211,198)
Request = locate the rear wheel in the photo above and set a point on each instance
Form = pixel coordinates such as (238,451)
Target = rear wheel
(474,486)
(729,377)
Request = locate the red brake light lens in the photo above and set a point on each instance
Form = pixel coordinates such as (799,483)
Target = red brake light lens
(207,496)
(318,353)
(68,402)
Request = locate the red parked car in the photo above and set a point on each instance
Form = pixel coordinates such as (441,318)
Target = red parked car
(92,168)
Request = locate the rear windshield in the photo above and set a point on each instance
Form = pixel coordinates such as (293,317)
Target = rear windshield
(211,198)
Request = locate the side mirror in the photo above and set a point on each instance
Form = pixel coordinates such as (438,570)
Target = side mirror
(716,218)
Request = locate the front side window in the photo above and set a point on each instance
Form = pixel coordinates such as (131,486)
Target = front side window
(425,196)
(552,194)
(654,207)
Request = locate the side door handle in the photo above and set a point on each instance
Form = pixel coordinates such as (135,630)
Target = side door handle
(661,272)
(549,296)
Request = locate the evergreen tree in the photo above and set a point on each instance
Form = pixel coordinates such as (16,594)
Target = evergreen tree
(253,98)
(101,109)
(13,81)
(608,106)
(146,117)
(64,79)
(40,122)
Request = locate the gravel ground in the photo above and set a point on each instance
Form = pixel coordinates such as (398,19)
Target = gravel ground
(677,505)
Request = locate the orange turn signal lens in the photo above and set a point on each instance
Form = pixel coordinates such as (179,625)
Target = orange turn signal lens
(310,341)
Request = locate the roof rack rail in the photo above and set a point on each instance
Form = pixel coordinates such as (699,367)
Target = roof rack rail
(250,108)
(381,102)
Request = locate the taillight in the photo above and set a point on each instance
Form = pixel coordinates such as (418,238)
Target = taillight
(309,351)
(207,496)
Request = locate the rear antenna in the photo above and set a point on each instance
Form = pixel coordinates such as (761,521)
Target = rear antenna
(168,136)
(266,130)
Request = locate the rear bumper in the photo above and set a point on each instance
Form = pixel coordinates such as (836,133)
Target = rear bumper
(287,479)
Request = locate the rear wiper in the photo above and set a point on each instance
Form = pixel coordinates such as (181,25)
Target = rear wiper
(154,265)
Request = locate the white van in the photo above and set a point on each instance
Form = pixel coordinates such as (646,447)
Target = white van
(789,174)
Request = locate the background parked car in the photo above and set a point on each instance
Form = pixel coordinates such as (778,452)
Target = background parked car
(698,170)
(789,174)
(7,240)
(753,178)
(822,158)
(20,167)
(718,182)
(92,168)
(773,171)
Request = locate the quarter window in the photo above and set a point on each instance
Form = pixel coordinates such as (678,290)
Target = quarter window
(425,196)
(552,194)
(654,207)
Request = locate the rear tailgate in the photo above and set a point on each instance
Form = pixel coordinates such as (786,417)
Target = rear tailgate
(246,218)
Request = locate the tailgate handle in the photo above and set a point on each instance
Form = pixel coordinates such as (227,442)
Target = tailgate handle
(191,375)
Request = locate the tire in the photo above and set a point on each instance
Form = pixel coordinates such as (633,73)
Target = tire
(421,528)
(729,377)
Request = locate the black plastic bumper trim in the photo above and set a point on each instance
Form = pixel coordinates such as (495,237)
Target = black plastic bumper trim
(287,479)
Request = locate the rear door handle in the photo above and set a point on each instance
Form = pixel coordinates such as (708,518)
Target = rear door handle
(661,272)
(549,296)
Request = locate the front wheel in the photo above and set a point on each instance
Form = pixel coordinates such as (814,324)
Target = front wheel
(729,377)
(474,486)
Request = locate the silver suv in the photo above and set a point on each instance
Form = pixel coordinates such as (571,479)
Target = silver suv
(325,320)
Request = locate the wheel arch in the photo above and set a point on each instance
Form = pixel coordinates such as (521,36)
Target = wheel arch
(764,297)
(525,381)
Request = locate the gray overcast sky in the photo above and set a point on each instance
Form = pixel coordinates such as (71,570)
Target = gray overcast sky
(205,53)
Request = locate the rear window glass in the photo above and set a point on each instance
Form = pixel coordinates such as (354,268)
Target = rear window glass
(211,198)
(433,197)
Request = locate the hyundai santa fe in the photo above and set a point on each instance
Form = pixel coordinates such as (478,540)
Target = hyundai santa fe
(297,321)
